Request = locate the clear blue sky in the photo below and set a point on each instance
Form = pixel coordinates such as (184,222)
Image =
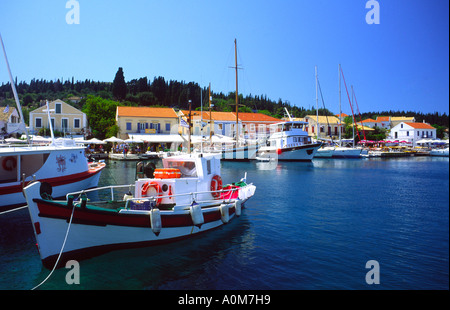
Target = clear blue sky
(402,63)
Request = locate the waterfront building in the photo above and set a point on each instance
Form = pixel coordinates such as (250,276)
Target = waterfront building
(256,125)
(156,125)
(10,121)
(222,123)
(64,117)
(412,132)
(328,126)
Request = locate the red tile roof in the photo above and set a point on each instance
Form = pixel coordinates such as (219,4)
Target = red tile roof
(369,120)
(256,117)
(420,125)
(383,118)
(146,112)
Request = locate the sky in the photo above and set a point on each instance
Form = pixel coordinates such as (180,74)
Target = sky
(401,63)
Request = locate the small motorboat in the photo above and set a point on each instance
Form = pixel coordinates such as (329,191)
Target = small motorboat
(184,198)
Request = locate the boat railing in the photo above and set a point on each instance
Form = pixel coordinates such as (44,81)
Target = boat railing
(194,196)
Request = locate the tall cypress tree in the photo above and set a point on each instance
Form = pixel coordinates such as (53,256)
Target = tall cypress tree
(119,87)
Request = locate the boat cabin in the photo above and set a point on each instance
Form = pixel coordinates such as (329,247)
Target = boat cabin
(180,175)
(288,134)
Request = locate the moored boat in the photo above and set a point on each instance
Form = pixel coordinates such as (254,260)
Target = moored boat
(440,152)
(184,198)
(291,142)
(63,166)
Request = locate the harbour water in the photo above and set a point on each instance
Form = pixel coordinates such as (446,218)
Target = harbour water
(309,226)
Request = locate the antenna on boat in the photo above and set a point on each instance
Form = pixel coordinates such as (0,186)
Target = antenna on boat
(48,110)
(16,97)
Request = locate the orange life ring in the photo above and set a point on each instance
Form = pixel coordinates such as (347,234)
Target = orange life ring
(216,185)
(9,163)
(157,188)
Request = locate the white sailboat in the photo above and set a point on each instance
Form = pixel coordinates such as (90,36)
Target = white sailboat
(344,151)
(324,151)
(242,150)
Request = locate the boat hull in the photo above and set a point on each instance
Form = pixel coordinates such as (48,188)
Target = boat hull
(324,153)
(304,152)
(244,153)
(94,230)
(342,152)
(12,196)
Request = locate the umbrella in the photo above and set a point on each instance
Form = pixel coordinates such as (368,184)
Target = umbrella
(130,140)
(423,141)
(113,139)
(95,141)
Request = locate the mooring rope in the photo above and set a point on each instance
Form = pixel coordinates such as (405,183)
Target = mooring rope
(19,208)
(60,252)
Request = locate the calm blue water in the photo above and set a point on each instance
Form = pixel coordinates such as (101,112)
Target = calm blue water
(309,226)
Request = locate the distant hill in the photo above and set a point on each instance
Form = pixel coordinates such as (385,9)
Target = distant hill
(159,92)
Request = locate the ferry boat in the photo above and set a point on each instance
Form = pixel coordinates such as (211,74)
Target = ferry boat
(290,142)
(184,198)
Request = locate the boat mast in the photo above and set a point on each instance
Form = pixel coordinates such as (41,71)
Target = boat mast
(237,96)
(210,117)
(190,125)
(317,108)
(354,121)
(340,112)
(13,86)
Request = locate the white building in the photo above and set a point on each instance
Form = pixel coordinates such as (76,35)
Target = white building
(412,132)
(10,121)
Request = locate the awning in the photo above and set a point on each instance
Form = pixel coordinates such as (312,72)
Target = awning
(156,138)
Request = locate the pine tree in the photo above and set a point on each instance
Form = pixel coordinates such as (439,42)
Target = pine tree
(119,87)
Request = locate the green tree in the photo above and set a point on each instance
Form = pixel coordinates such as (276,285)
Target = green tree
(101,114)
(119,87)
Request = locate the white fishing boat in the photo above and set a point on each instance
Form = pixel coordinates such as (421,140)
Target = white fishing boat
(62,164)
(182,199)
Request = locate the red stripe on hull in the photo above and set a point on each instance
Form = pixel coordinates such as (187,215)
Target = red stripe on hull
(58,181)
(105,217)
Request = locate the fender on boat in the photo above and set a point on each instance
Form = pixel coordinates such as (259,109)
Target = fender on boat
(224,213)
(196,214)
(155,221)
(238,207)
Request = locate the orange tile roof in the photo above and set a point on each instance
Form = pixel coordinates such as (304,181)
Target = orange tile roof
(420,125)
(383,118)
(146,112)
(216,116)
(342,115)
(369,120)
(256,117)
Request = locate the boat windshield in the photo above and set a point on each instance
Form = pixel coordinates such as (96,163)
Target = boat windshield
(187,167)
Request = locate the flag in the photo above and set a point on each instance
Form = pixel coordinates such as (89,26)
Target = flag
(183,123)
(6,110)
